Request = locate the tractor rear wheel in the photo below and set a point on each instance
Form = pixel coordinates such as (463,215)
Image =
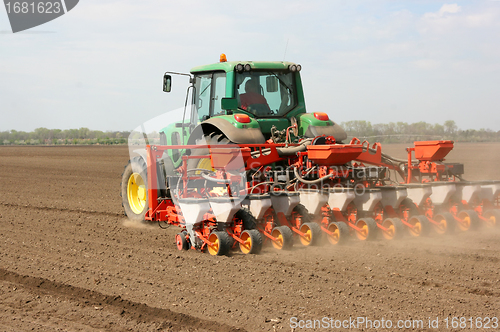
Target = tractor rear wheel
(340,233)
(134,191)
(284,237)
(205,163)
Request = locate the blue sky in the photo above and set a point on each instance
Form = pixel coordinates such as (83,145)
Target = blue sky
(100,66)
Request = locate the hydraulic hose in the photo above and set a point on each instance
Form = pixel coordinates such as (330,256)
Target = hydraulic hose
(301,179)
(290,151)
(209,178)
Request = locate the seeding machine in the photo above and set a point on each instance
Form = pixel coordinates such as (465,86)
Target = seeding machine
(247,165)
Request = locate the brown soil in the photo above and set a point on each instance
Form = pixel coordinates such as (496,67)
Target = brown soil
(71,261)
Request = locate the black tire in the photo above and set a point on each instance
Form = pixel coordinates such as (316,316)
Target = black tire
(134,181)
(421,226)
(249,221)
(302,212)
(412,207)
(396,229)
(209,139)
(341,231)
(181,242)
(493,216)
(223,243)
(285,238)
(313,232)
(255,239)
(447,221)
(369,229)
(470,220)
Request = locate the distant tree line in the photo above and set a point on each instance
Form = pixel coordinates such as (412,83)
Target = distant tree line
(402,132)
(44,136)
(393,132)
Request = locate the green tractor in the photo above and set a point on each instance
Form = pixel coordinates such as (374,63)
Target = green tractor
(232,102)
(246,102)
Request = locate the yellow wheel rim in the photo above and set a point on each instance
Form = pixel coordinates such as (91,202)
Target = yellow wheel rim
(362,234)
(491,220)
(247,247)
(204,163)
(136,193)
(278,244)
(443,225)
(417,226)
(214,248)
(465,223)
(334,238)
(391,231)
(306,239)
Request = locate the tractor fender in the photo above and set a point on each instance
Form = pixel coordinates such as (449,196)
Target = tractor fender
(312,127)
(235,135)
(334,130)
(143,153)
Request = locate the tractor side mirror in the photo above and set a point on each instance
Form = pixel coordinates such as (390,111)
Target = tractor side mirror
(271,84)
(167,83)
(229,103)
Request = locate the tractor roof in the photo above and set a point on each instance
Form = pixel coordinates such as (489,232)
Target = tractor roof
(229,66)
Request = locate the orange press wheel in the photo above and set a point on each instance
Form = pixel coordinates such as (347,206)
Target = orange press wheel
(312,233)
(220,243)
(394,228)
(420,225)
(340,233)
(284,237)
(367,229)
(253,241)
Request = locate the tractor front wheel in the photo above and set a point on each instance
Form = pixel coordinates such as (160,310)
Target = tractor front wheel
(134,191)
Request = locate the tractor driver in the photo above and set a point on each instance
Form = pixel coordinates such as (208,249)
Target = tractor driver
(252,96)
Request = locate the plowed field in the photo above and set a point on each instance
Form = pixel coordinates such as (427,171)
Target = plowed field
(71,261)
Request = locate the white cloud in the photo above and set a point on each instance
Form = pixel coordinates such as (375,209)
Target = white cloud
(443,11)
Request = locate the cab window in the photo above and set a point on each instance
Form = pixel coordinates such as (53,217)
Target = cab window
(266,94)
(210,89)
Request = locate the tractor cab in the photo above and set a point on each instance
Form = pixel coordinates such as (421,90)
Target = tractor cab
(258,89)
(248,102)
